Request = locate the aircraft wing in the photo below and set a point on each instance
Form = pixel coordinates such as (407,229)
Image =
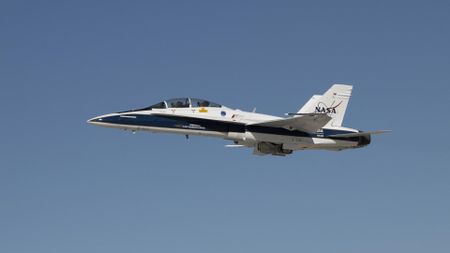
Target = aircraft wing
(309,123)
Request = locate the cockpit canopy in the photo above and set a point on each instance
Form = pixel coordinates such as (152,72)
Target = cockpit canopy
(182,103)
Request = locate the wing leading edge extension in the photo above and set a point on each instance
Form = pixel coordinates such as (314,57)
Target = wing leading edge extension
(309,123)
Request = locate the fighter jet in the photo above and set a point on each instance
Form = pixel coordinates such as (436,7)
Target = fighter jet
(317,125)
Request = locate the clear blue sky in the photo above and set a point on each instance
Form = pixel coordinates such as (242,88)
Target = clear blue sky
(66,186)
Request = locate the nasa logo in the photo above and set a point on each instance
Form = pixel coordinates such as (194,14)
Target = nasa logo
(223,113)
(323,108)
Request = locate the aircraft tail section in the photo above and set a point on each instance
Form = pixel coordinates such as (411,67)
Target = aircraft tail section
(333,102)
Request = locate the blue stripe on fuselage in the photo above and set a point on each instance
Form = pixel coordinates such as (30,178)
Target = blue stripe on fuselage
(144,120)
(328,132)
(184,122)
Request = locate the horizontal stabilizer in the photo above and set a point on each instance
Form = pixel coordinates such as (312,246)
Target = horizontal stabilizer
(359,134)
(309,123)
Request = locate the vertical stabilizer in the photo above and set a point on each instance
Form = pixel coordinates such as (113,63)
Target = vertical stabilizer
(333,102)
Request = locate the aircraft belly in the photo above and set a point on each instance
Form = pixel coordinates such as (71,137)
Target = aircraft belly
(331,144)
(302,143)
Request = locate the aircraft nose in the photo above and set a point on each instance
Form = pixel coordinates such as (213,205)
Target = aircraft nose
(95,120)
(99,120)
